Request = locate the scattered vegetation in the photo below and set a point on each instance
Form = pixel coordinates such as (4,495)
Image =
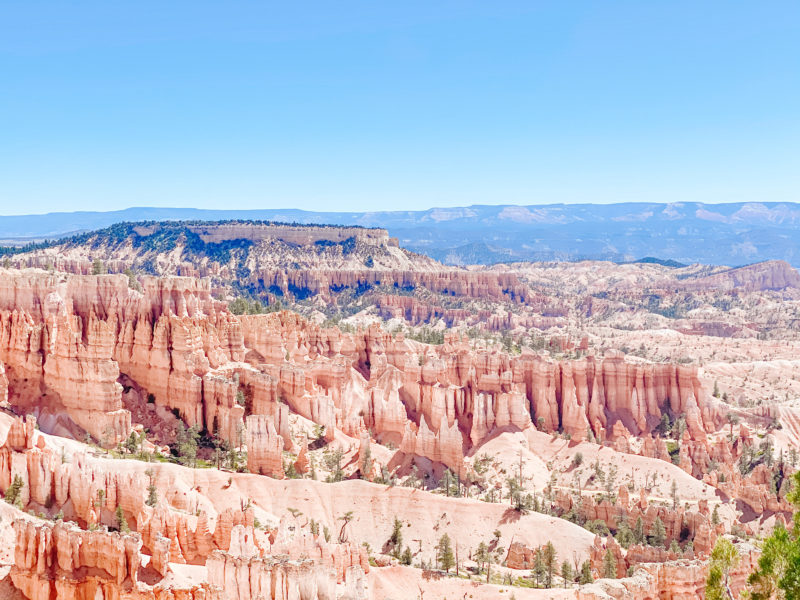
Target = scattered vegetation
(724,557)
(14,492)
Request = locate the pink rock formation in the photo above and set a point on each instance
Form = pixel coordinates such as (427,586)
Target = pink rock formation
(48,555)
(64,345)
(181,348)
(676,579)
(264,447)
(301,465)
(3,385)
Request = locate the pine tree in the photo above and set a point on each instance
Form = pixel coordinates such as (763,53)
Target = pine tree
(133,283)
(406,557)
(674,494)
(396,539)
(624,535)
(345,519)
(659,535)
(14,491)
(539,568)
(609,565)
(566,572)
(550,562)
(482,555)
(98,268)
(122,523)
(724,557)
(445,553)
(515,493)
(333,461)
(152,491)
(638,531)
(586,573)
(447,481)
(366,464)
(186,444)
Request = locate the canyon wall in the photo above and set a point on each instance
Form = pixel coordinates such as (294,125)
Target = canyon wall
(65,343)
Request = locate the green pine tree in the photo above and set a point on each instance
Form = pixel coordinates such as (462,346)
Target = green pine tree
(586,573)
(609,565)
(566,572)
(724,557)
(152,491)
(445,553)
(122,523)
(550,563)
(539,568)
(659,534)
(638,531)
(14,492)
(396,539)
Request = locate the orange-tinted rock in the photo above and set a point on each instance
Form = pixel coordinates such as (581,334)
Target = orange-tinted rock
(3,385)
(301,465)
(63,550)
(161,555)
(676,579)
(264,447)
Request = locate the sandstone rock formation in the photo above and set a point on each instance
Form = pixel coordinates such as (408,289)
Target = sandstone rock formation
(182,348)
(100,355)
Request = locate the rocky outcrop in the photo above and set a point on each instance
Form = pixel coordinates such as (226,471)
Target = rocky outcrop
(303,235)
(54,561)
(679,523)
(57,361)
(767,275)
(676,579)
(64,342)
(308,567)
(52,558)
(88,493)
(69,347)
(456,282)
(264,447)
(373,380)
(3,385)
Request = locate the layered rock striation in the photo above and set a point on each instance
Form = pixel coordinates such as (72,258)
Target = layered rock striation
(65,344)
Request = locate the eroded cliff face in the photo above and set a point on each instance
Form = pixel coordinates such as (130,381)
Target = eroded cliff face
(438,401)
(677,579)
(71,346)
(58,360)
(59,561)
(51,559)
(78,557)
(768,275)
(66,343)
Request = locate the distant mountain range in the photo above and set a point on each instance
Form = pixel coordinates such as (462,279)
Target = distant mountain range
(686,232)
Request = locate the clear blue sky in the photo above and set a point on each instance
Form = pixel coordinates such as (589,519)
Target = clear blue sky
(395,105)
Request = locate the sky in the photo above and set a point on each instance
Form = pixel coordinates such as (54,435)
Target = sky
(359,106)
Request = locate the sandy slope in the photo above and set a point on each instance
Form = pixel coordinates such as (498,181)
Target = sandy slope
(402,583)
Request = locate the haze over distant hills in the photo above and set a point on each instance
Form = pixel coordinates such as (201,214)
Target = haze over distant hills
(732,234)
